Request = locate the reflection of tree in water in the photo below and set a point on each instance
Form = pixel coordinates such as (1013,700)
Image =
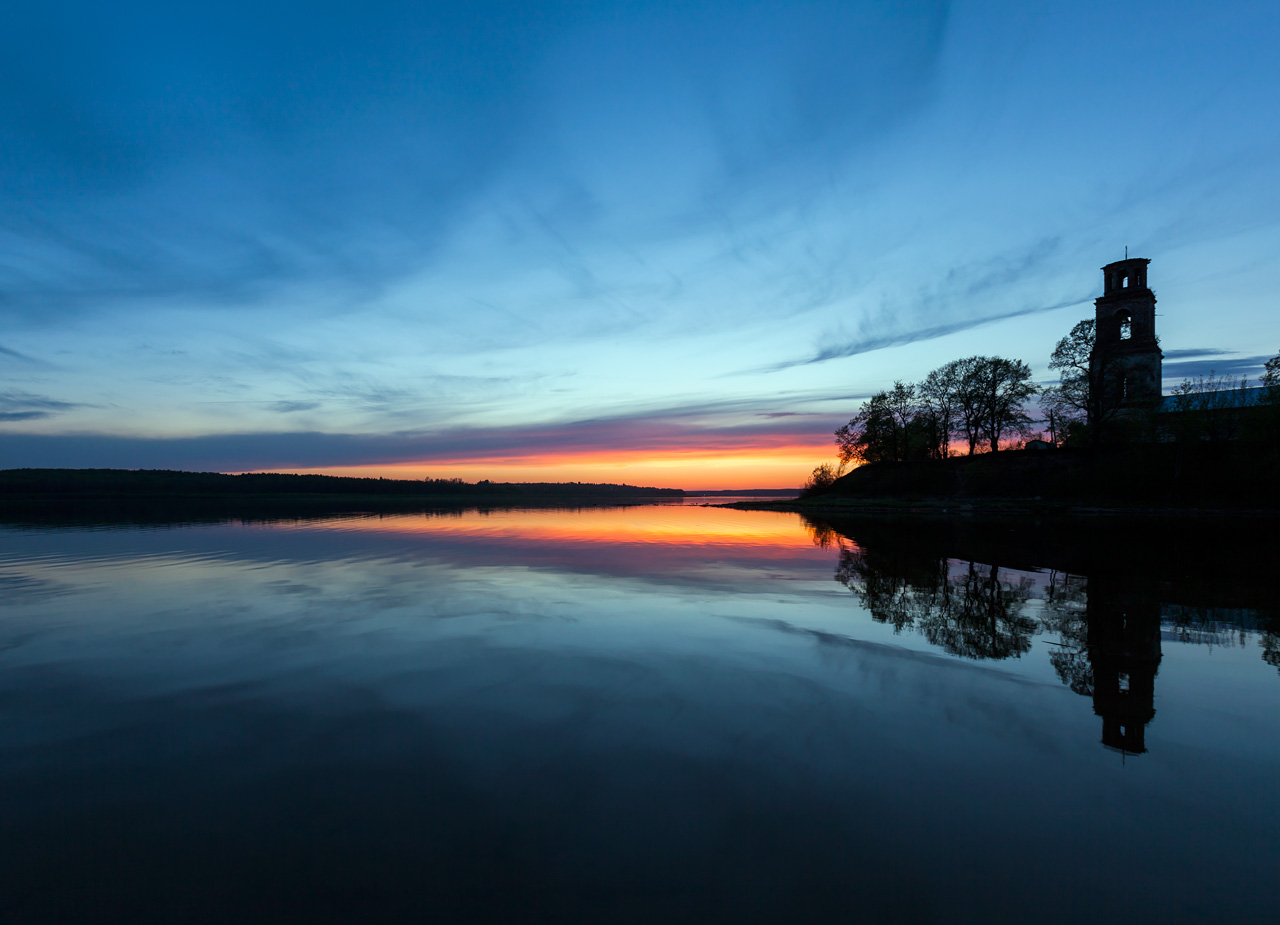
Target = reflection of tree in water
(985,618)
(1065,615)
(1225,626)
(1271,649)
(1270,640)
(824,535)
(1208,626)
(1108,627)
(976,613)
(896,589)
(1109,621)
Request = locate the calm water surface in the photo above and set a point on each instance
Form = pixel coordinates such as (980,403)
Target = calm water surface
(656,713)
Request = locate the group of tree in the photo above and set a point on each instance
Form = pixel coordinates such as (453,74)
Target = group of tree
(977,401)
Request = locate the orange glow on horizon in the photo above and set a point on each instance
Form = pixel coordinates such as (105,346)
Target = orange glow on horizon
(693,469)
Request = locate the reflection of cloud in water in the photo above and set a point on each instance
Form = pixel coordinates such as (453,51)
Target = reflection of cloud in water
(16,586)
(669,545)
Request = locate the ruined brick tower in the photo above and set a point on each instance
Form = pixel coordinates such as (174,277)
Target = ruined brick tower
(1126,359)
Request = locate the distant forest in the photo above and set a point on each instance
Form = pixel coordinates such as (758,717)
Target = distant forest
(140,483)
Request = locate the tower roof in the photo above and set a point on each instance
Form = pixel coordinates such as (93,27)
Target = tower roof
(1128,262)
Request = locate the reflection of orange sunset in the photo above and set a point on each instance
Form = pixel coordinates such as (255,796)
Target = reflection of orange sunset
(652,525)
(763,467)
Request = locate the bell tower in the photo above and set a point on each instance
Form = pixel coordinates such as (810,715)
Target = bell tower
(1126,360)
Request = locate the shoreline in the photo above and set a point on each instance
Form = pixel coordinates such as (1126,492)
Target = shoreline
(983,507)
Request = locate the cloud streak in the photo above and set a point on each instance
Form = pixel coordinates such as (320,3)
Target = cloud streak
(23,406)
(691,430)
(948,306)
(20,357)
(347,156)
(868,344)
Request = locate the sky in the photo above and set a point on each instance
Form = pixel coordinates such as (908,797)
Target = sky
(661,243)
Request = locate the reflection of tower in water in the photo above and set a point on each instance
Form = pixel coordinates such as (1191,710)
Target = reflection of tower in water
(1105,607)
(1124,651)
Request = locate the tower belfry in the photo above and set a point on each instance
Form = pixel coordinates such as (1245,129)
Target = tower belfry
(1127,361)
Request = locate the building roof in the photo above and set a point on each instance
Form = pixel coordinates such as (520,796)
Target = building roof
(1225,398)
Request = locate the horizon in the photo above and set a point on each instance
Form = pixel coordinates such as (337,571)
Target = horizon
(607,243)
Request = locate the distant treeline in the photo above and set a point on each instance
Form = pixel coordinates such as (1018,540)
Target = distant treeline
(119,483)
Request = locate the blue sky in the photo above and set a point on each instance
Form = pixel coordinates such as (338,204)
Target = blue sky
(564,239)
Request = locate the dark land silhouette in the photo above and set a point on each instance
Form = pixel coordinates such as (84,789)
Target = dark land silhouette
(160,482)
(1143,475)
(158,496)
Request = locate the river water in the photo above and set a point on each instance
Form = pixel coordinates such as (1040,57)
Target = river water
(651,713)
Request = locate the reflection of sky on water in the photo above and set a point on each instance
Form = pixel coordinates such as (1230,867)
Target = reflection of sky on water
(690,715)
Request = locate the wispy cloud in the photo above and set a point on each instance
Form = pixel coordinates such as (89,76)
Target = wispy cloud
(20,357)
(354,178)
(953,303)
(23,406)
(1195,353)
(867,344)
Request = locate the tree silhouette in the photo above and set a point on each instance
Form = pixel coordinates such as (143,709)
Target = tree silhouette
(1002,386)
(1083,383)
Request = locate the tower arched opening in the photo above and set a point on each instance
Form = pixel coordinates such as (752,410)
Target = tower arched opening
(1124,323)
